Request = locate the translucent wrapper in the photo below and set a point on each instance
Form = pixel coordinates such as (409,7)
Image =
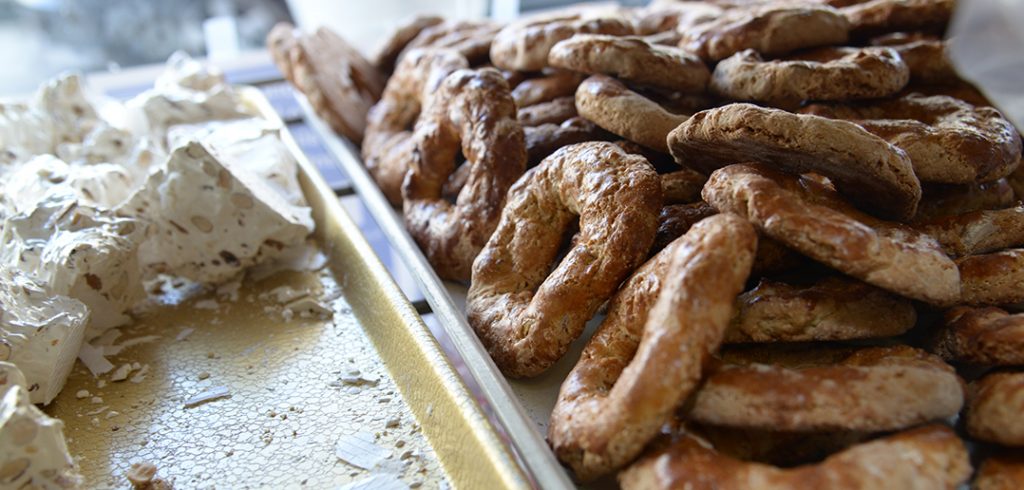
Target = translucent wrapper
(986,47)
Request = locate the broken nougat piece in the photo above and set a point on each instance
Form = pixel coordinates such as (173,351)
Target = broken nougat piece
(78,251)
(41,331)
(101,185)
(33,453)
(210,219)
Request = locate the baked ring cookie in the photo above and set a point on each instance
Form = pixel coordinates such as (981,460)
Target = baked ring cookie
(386,57)
(388,145)
(471,111)
(832,308)
(940,201)
(871,389)
(662,16)
(1003,471)
(526,313)
(632,59)
(992,279)
(471,39)
(809,217)
(773,447)
(544,139)
(995,407)
(978,232)
(881,16)
(682,186)
(947,140)
(550,86)
(822,74)
(986,335)
(650,351)
(339,83)
(554,111)
(872,173)
(524,44)
(930,457)
(924,55)
(771,30)
(611,105)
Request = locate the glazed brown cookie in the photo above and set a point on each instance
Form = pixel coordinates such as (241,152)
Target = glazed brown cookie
(986,335)
(527,313)
(672,16)
(339,83)
(872,173)
(978,232)
(471,111)
(611,105)
(771,30)
(926,457)
(550,86)
(682,186)
(395,42)
(809,217)
(994,408)
(992,279)
(940,201)
(524,44)
(632,59)
(924,55)
(881,16)
(649,352)
(834,308)
(835,74)
(947,140)
(543,140)
(1002,471)
(471,39)
(775,447)
(554,111)
(871,389)
(388,145)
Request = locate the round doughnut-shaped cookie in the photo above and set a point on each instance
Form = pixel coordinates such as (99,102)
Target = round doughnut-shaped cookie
(544,139)
(833,308)
(947,140)
(524,44)
(986,335)
(337,81)
(992,279)
(930,457)
(682,186)
(940,201)
(388,146)
(978,232)
(881,16)
(872,389)
(872,173)
(924,55)
(1002,471)
(772,30)
(471,39)
(550,86)
(526,313)
(611,105)
(822,74)
(472,112)
(554,111)
(650,351)
(633,60)
(662,16)
(809,217)
(395,42)
(995,407)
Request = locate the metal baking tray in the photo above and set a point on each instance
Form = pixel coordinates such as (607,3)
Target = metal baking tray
(522,407)
(289,402)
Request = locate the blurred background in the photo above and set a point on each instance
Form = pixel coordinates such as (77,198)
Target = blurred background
(42,38)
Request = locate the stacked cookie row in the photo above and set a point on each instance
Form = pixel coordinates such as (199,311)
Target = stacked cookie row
(802,222)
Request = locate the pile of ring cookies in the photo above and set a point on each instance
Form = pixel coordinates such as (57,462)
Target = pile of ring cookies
(802,227)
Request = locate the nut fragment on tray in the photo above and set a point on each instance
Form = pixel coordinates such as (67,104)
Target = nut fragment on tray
(102,203)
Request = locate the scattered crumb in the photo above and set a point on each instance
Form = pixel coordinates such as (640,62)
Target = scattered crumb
(203,375)
(82,394)
(393,423)
(101,383)
(141,474)
(121,373)
(360,451)
(113,413)
(207,304)
(96,399)
(141,375)
(184,334)
(214,393)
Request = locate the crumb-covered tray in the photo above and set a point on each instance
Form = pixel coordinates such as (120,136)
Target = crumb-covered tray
(521,406)
(229,390)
